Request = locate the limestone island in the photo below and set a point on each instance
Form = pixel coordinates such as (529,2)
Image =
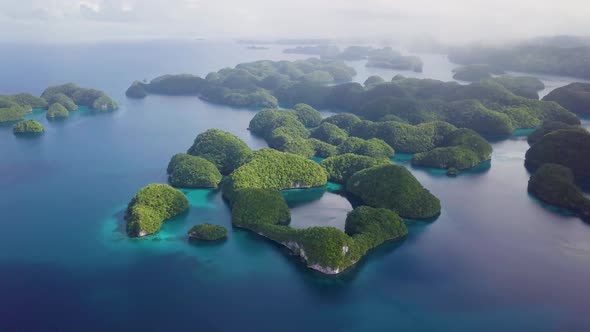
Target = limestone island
(475,73)
(28,128)
(67,96)
(559,162)
(387,110)
(555,184)
(207,232)
(151,206)
(575,97)
(254,181)
(188,171)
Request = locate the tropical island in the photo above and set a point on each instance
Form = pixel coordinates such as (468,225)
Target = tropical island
(28,128)
(475,73)
(575,97)
(529,57)
(558,160)
(493,107)
(54,99)
(207,232)
(376,57)
(253,185)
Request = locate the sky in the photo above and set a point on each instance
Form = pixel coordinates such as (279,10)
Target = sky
(444,20)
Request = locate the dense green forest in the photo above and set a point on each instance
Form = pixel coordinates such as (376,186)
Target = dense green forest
(57,100)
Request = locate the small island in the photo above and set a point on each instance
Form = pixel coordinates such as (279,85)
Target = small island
(575,97)
(188,171)
(224,150)
(555,184)
(151,206)
(475,73)
(253,186)
(394,187)
(566,147)
(207,232)
(67,96)
(460,149)
(28,128)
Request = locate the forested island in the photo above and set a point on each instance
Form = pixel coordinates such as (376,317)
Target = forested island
(376,57)
(575,97)
(444,125)
(57,100)
(558,158)
(530,57)
(28,128)
(420,116)
(253,181)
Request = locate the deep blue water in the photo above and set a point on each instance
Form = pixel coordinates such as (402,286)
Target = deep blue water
(495,260)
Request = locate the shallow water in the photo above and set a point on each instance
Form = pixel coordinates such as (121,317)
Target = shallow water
(496,259)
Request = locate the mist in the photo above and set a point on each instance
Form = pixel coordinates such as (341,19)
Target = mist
(452,21)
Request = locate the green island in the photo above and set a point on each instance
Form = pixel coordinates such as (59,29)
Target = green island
(224,150)
(556,185)
(395,188)
(341,168)
(376,57)
(558,159)
(528,56)
(566,147)
(575,97)
(151,206)
(188,171)
(253,186)
(475,73)
(28,128)
(67,96)
(207,232)
(546,128)
(57,111)
(460,149)
(492,107)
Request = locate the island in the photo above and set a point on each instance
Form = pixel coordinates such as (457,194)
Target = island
(395,188)
(560,166)
(188,171)
(207,232)
(15,107)
(71,96)
(57,111)
(226,151)
(475,73)
(528,56)
(28,128)
(389,59)
(493,107)
(341,168)
(460,149)
(546,128)
(555,184)
(151,206)
(136,91)
(383,193)
(566,147)
(575,97)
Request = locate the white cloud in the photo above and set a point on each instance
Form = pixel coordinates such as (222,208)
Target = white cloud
(449,19)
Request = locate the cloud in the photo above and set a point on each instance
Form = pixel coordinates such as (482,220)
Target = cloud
(447,20)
